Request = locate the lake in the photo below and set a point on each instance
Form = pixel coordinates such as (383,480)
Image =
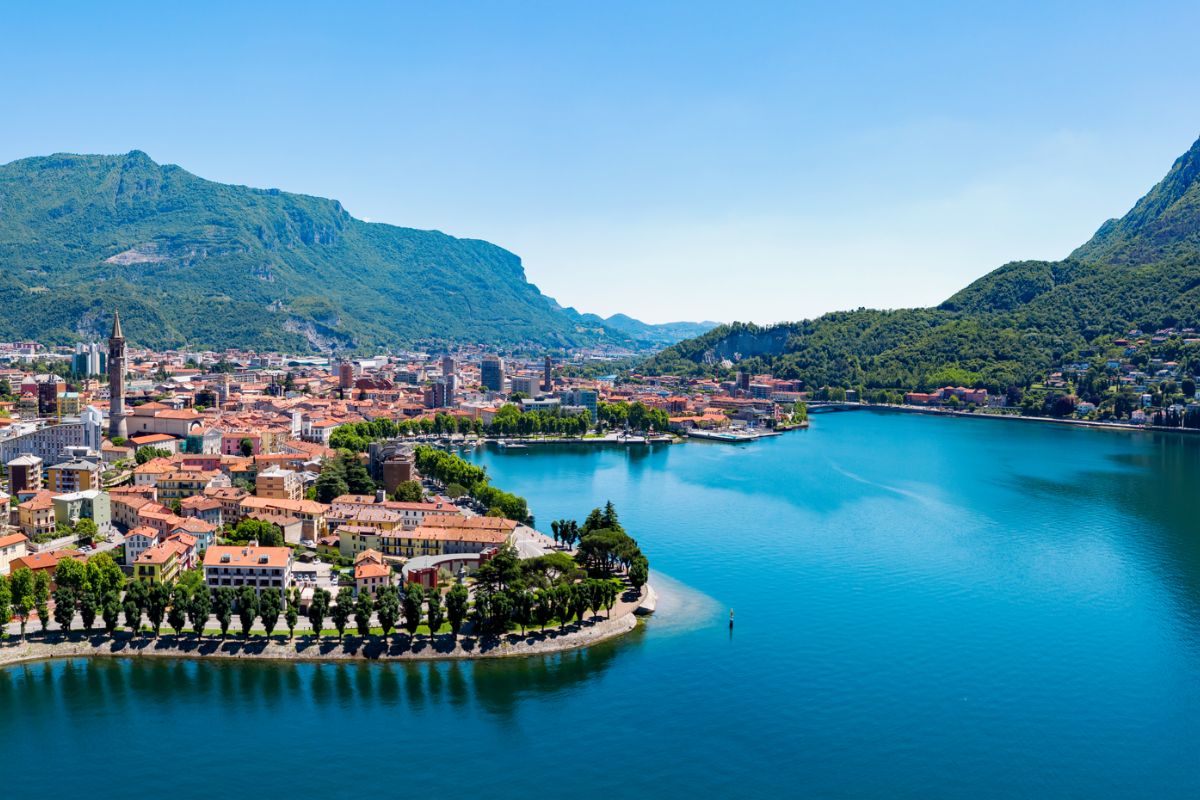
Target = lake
(925,607)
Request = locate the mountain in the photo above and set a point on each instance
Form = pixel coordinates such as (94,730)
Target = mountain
(193,262)
(1007,328)
(660,334)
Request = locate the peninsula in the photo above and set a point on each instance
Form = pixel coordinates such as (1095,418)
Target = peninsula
(190,514)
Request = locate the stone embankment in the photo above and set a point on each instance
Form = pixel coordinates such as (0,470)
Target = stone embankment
(398,647)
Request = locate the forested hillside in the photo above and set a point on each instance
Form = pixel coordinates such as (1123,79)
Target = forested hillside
(190,261)
(1007,328)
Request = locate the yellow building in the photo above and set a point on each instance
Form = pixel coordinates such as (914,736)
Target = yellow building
(310,513)
(355,539)
(160,563)
(184,483)
(280,484)
(70,404)
(76,475)
(35,516)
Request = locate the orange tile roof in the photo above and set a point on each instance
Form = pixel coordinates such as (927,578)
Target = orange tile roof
(151,438)
(370,569)
(200,502)
(471,523)
(299,506)
(45,560)
(41,501)
(436,534)
(369,554)
(161,553)
(246,556)
(195,525)
(12,538)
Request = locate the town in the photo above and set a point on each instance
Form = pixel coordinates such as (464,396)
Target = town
(253,482)
(323,476)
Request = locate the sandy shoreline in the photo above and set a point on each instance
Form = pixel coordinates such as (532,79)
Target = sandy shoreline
(304,648)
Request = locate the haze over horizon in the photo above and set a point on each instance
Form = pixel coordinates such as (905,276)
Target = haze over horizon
(681,161)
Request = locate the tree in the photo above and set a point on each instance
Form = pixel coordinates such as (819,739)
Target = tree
(580,599)
(409,492)
(247,447)
(5,604)
(330,484)
(543,608)
(497,611)
(414,598)
(70,574)
(137,592)
(158,597)
(222,601)
(200,605)
(292,615)
(456,608)
(247,602)
(89,607)
(561,597)
(387,608)
(639,573)
(522,608)
(110,610)
(177,615)
(434,612)
(86,529)
(609,596)
(317,610)
(609,518)
(65,599)
(270,606)
(133,614)
(145,454)
(41,597)
(249,529)
(358,480)
(501,571)
(104,576)
(364,607)
(343,609)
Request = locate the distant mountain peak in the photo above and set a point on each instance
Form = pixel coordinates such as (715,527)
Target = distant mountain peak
(1010,327)
(1164,224)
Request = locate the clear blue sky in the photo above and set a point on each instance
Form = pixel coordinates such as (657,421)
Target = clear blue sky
(669,160)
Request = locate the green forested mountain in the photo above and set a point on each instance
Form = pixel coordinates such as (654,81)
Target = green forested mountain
(1007,328)
(190,261)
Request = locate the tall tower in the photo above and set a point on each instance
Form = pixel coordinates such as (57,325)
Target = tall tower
(548,376)
(116,380)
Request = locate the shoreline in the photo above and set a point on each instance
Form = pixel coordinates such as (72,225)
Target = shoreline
(399,647)
(1077,423)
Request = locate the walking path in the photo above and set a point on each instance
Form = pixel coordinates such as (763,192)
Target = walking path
(399,647)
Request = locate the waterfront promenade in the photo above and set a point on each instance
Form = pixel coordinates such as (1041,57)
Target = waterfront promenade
(398,647)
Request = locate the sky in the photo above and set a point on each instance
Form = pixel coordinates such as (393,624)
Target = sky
(672,161)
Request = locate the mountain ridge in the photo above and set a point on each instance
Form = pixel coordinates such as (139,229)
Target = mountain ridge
(1008,327)
(194,262)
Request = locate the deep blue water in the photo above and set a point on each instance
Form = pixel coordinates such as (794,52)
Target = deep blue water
(925,608)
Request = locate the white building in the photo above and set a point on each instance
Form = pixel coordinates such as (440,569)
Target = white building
(248,565)
(47,441)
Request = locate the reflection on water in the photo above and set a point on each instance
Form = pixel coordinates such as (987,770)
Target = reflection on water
(925,607)
(496,685)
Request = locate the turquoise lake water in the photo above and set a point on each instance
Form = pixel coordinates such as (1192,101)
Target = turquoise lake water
(925,608)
